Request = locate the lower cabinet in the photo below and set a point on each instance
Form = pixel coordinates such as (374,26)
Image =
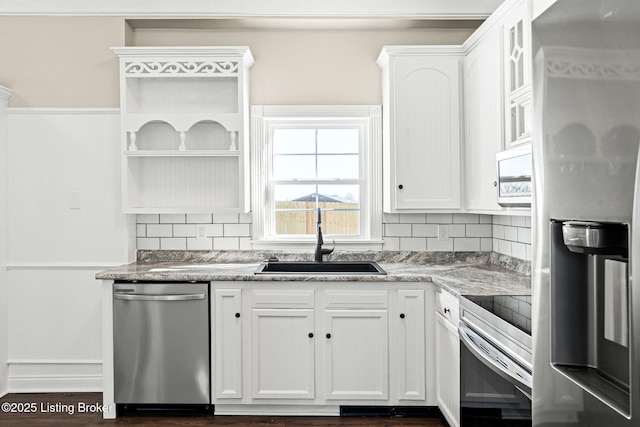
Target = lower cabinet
(321,345)
(447,357)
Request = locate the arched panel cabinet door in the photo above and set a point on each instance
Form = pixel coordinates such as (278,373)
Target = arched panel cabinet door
(421,97)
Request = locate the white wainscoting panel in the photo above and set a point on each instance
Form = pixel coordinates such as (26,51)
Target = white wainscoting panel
(65,224)
(55,330)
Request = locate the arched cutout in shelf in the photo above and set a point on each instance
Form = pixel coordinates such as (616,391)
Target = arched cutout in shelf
(210,135)
(154,135)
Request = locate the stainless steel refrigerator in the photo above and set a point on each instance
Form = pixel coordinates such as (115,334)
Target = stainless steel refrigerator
(586,303)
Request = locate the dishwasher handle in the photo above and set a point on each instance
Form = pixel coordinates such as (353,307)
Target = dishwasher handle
(155,297)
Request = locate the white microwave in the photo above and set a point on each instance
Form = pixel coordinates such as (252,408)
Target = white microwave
(514,177)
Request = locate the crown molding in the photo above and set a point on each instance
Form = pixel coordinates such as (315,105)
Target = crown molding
(434,9)
(5,93)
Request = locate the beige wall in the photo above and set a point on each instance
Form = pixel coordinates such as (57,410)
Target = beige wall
(308,66)
(60,61)
(67,61)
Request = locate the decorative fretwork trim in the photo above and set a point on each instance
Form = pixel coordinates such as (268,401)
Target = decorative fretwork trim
(181,67)
(592,64)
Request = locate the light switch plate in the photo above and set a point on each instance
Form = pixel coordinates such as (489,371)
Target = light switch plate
(75,200)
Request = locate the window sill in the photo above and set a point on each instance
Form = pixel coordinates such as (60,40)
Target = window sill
(308,245)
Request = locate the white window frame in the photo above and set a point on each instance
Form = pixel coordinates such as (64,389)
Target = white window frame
(368,119)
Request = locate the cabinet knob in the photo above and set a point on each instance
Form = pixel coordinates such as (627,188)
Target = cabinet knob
(310,334)
(446,310)
(328,336)
(400,186)
(402,315)
(495,183)
(237,315)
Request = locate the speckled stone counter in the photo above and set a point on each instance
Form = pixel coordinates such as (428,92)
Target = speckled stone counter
(461,273)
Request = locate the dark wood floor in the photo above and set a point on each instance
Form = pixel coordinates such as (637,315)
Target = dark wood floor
(57,408)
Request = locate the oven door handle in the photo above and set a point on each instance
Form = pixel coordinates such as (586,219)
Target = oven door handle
(467,338)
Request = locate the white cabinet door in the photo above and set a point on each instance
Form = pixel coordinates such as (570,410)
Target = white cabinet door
(227,342)
(448,369)
(517,74)
(356,363)
(422,142)
(483,121)
(282,354)
(408,345)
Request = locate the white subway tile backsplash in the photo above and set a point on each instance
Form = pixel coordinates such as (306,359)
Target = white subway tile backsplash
(148,219)
(413,244)
(214,230)
(479,230)
(184,230)
(388,218)
(424,230)
(226,243)
(465,218)
(245,243)
(238,230)
(173,243)
(199,218)
(412,218)
(518,221)
(173,218)
(511,233)
(225,218)
(397,230)
(486,244)
(391,244)
(456,230)
(518,250)
(148,243)
(439,218)
(435,245)
(466,244)
(159,230)
(197,244)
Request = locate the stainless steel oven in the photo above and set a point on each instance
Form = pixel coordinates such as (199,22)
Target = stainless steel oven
(495,360)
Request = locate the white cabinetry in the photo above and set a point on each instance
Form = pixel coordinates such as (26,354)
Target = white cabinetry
(421,114)
(356,345)
(319,345)
(408,344)
(227,343)
(184,129)
(447,357)
(282,344)
(483,120)
(517,74)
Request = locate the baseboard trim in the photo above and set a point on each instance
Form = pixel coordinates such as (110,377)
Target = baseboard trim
(277,410)
(54,383)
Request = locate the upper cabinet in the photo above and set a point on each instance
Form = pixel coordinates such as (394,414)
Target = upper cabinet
(421,121)
(517,74)
(483,120)
(184,129)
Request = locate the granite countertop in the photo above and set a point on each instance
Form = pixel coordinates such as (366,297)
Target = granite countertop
(473,273)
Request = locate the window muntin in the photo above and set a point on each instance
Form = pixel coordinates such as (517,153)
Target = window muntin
(316,164)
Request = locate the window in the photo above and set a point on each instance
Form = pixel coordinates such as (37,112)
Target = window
(305,158)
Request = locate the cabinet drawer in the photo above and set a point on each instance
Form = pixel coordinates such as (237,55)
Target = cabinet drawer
(448,305)
(355,299)
(282,298)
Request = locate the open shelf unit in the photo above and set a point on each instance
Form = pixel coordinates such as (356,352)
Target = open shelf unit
(184,129)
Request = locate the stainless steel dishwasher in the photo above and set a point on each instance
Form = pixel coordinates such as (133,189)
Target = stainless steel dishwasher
(161,343)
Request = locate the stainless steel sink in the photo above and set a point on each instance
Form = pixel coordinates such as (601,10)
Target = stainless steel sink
(331,267)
